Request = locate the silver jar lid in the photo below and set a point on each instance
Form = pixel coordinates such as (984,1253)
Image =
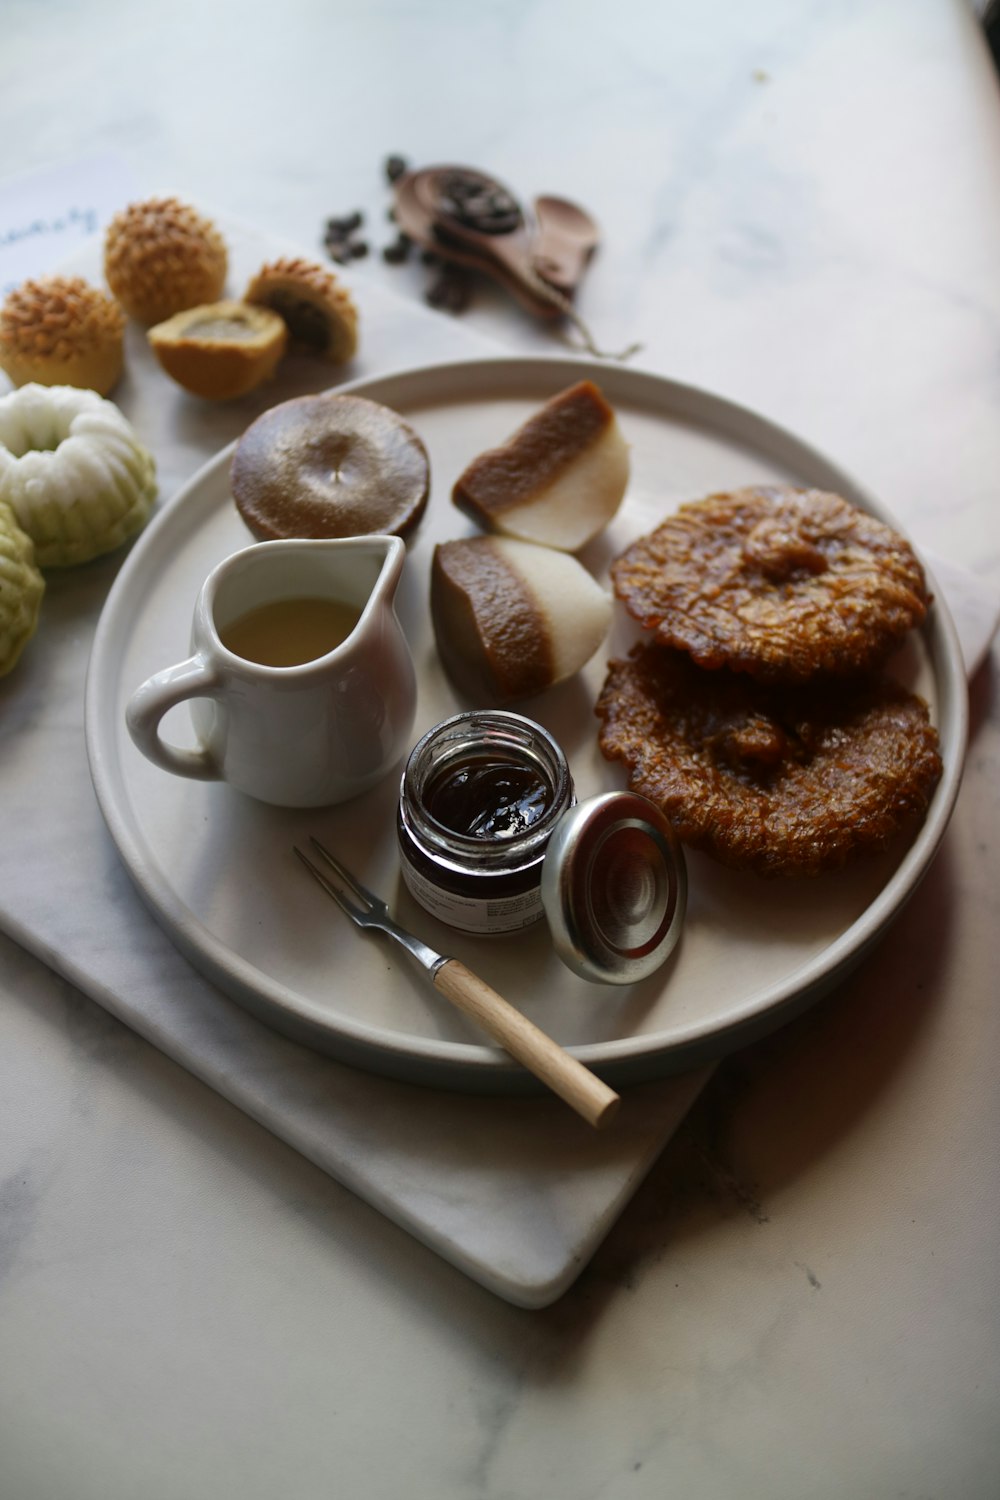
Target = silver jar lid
(614,888)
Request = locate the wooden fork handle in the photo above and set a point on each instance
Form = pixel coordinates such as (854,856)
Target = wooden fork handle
(567,1077)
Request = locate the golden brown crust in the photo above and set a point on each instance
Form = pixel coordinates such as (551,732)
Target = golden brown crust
(60,330)
(492,640)
(778,582)
(220,350)
(330,465)
(536,455)
(779,782)
(319,311)
(161,256)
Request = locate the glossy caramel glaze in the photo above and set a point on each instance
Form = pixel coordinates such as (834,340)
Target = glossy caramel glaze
(781,782)
(777,582)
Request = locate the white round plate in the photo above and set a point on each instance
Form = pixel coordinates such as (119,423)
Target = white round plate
(218,871)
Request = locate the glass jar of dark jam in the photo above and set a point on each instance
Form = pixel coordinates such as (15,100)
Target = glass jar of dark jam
(480,797)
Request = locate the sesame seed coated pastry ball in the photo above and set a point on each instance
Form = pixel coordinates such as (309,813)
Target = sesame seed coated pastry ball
(59,330)
(161,256)
(777,582)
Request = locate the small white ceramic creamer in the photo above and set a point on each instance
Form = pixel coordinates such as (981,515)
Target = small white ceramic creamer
(305,735)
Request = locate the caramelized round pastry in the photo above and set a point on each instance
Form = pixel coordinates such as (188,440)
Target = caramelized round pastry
(161,257)
(330,465)
(781,782)
(59,330)
(319,312)
(778,582)
(511,618)
(220,350)
(558,480)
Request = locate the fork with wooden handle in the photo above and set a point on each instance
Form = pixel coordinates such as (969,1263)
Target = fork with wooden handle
(563,1073)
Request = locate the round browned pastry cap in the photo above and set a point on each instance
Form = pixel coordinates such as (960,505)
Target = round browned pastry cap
(777,582)
(614,888)
(327,466)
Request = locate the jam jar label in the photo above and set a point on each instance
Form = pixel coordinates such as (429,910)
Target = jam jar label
(473,913)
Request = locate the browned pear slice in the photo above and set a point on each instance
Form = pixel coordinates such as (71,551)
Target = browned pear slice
(512,618)
(558,480)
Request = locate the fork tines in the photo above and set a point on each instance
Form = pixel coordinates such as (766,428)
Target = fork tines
(361,891)
(340,896)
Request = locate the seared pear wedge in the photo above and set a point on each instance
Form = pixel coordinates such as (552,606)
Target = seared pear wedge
(558,480)
(512,618)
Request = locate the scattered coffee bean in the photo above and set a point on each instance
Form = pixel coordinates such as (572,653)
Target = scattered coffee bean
(472,197)
(398,252)
(346,225)
(451,292)
(340,237)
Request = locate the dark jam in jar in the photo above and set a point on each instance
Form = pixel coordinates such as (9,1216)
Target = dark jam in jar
(488,797)
(480,797)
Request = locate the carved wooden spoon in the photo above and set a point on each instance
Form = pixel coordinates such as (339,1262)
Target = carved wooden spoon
(566,238)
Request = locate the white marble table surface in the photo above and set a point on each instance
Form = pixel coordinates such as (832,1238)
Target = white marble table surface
(801,212)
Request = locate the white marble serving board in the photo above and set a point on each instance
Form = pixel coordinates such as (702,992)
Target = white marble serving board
(517,1193)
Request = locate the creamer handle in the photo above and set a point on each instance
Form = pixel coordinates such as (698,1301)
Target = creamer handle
(193,678)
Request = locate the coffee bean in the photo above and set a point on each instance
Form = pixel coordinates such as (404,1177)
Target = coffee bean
(398,252)
(345,224)
(395,166)
(450,292)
